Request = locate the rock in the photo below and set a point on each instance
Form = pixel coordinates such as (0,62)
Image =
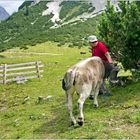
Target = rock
(82,52)
(27,98)
(20,80)
(42,98)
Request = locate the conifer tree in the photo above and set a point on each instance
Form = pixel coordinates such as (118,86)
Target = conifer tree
(120,31)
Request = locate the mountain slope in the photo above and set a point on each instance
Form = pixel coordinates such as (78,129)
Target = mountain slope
(72,9)
(30,26)
(3,14)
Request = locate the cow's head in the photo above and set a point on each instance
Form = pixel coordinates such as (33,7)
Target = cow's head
(113,79)
(111,72)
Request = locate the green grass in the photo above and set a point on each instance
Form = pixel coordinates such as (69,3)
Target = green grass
(23,116)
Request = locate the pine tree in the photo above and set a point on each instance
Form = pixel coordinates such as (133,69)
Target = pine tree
(120,31)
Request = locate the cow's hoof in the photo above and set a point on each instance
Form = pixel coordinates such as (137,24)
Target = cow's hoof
(95,106)
(72,123)
(91,97)
(100,92)
(80,121)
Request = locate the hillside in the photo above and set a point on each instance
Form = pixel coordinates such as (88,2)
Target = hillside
(29,26)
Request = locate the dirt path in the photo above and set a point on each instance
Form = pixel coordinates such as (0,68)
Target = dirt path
(31,53)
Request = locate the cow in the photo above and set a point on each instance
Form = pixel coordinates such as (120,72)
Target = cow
(85,78)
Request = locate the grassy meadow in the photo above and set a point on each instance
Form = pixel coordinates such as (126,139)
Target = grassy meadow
(24,116)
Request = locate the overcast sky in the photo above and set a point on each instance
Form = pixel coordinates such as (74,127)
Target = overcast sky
(11,5)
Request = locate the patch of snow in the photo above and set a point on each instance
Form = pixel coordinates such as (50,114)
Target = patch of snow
(81,18)
(54,8)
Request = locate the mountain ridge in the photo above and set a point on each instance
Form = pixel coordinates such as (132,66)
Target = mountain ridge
(3,14)
(29,26)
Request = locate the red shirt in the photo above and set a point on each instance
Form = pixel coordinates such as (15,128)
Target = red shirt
(100,50)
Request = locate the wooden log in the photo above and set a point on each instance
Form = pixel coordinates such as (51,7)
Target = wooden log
(24,68)
(23,73)
(23,64)
(37,68)
(23,78)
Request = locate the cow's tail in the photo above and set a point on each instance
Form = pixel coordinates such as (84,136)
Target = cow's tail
(69,80)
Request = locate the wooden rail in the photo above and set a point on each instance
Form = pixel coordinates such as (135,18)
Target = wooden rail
(20,72)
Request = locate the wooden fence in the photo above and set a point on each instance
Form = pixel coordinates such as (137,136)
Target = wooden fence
(20,72)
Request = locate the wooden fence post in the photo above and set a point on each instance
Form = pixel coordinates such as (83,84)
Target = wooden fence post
(4,73)
(37,67)
(16,72)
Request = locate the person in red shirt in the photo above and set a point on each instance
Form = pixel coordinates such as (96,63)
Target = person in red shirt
(99,49)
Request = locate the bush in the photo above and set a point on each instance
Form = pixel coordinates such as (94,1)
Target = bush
(120,32)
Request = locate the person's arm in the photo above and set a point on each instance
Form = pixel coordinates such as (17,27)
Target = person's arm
(107,54)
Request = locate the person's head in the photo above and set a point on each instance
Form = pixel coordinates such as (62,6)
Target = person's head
(93,40)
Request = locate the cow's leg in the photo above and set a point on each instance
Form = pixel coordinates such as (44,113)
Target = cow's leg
(85,92)
(101,89)
(92,93)
(107,91)
(96,92)
(91,97)
(69,95)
